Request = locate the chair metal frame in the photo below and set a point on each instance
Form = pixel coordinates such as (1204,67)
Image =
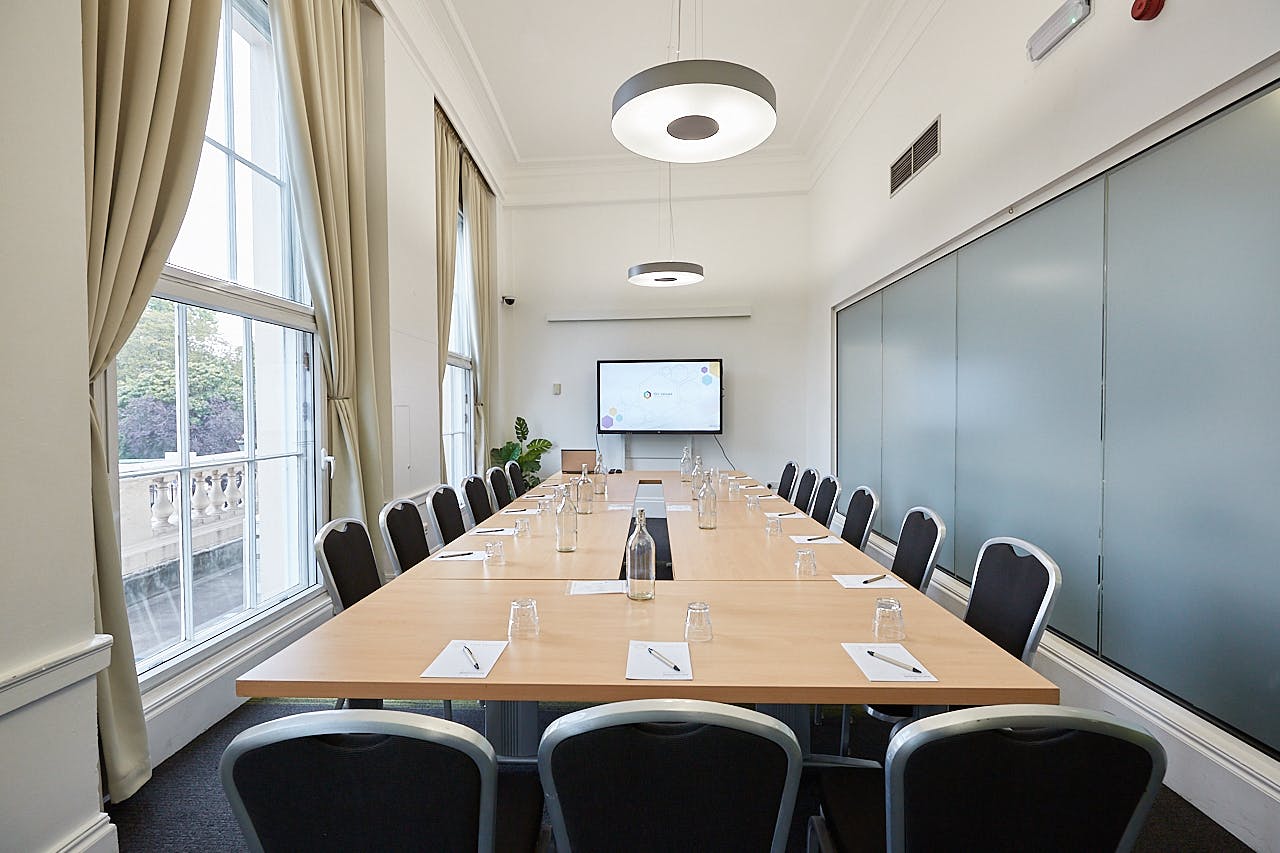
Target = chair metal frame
(871,519)
(795,478)
(395,723)
(435,520)
(938,539)
(386,532)
(695,711)
(1046,604)
(928,730)
(511,479)
(326,571)
(835,497)
(795,493)
(493,494)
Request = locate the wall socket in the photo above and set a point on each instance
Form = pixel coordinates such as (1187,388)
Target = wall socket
(555,389)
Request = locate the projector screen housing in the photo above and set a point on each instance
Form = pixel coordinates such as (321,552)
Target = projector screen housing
(656,396)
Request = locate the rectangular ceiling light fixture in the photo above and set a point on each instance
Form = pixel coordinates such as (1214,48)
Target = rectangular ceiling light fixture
(1060,24)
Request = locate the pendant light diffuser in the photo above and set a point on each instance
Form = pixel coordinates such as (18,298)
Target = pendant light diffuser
(665,274)
(694,111)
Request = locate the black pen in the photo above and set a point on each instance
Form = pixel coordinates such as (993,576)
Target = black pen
(888,659)
(874,579)
(785,514)
(816,538)
(471,655)
(664,659)
(489,530)
(459,554)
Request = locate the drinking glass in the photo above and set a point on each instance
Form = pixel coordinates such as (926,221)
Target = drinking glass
(753,502)
(697,622)
(888,625)
(773,526)
(522,527)
(734,490)
(806,562)
(523,624)
(493,553)
(544,506)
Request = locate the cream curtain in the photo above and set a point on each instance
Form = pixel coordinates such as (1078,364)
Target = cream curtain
(478,208)
(148,76)
(448,174)
(318,63)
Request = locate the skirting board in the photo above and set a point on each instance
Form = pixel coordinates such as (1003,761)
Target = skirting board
(1234,784)
(655,314)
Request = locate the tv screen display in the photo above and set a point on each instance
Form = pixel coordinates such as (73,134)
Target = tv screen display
(680,395)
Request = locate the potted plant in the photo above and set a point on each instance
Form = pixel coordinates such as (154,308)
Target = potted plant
(528,455)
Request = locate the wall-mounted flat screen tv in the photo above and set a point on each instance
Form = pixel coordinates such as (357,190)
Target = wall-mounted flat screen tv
(678,395)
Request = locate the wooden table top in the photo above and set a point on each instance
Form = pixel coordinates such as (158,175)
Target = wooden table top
(775,641)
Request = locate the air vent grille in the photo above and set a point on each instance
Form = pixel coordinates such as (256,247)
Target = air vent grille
(915,158)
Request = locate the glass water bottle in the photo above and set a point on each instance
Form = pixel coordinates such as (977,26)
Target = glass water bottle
(566,521)
(707,504)
(686,466)
(584,487)
(641,562)
(601,477)
(695,477)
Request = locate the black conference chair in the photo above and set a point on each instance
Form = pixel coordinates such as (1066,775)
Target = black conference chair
(859,516)
(805,487)
(519,485)
(787,482)
(1000,778)
(443,501)
(345,553)
(500,486)
(669,774)
(477,495)
(376,780)
(404,533)
(824,500)
(919,542)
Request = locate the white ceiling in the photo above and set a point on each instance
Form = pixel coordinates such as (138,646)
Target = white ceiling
(550,69)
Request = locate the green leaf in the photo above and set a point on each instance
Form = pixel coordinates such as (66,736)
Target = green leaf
(507,452)
(538,447)
(522,429)
(495,456)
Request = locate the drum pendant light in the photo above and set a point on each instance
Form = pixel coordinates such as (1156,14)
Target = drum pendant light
(666,273)
(694,110)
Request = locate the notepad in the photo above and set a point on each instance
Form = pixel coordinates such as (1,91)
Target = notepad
(617,507)
(642,666)
(596,587)
(453,661)
(492,531)
(459,556)
(679,508)
(769,497)
(809,540)
(856,582)
(738,477)
(876,669)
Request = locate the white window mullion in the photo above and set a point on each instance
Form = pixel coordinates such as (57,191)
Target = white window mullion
(182,409)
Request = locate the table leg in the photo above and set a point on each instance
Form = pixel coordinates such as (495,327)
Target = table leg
(795,717)
(512,728)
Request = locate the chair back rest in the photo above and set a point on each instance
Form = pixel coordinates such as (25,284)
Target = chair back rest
(669,774)
(824,500)
(1012,596)
(1052,779)
(443,501)
(404,533)
(787,482)
(345,554)
(361,780)
(500,486)
(803,498)
(923,531)
(859,515)
(519,485)
(477,494)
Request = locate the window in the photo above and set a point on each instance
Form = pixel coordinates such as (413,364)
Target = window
(215,391)
(457,390)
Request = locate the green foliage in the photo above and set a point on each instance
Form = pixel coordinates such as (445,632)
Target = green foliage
(529,456)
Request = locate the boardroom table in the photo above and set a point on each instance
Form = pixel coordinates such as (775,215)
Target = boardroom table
(777,636)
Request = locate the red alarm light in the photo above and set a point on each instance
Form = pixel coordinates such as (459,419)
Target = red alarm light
(1146,10)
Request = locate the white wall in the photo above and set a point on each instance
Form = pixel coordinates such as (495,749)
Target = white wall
(1010,128)
(572,258)
(49,788)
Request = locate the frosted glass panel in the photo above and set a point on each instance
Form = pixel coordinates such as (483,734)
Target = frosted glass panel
(1029,396)
(858,397)
(1191,540)
(920,398)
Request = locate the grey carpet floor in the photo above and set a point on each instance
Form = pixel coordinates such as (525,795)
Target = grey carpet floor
(183,808)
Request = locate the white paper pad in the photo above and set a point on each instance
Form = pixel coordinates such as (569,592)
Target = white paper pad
(879,670)
(856,582)
(679,508)
(809,540)
(642,666)
(492,531)
(742,486)
(596,587)
(454,663)
(458,556)
(616,507)
(738,477)
(791,513)
(526,511)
